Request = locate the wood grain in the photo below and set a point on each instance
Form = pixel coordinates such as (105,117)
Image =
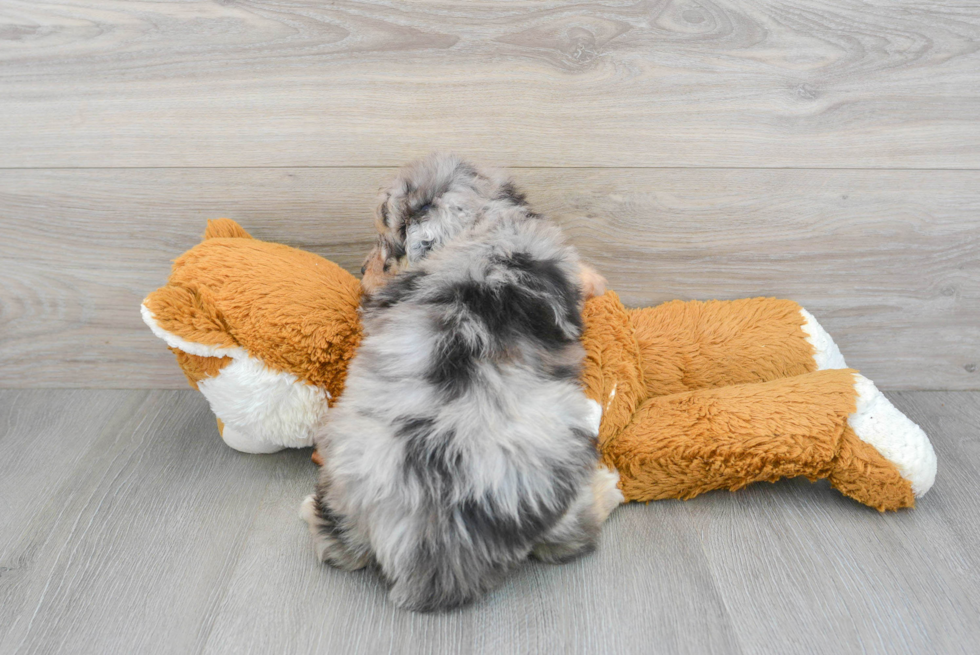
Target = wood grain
(889,261)
(827,151)
(134,540)
(647,584)
(955,420)
(129,527)
(42,439)
(832,83)
(822,570)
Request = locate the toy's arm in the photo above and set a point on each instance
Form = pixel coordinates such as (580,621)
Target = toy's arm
(635,354)
(692,345)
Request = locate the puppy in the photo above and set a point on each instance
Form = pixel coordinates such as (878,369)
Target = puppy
(463,442)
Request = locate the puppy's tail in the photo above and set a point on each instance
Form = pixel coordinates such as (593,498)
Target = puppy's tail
(442,581)
(470,554)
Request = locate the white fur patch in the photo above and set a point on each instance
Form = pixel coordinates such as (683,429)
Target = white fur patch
(894,435)
(188,347)
(825,352)
(595,420)
(264,410)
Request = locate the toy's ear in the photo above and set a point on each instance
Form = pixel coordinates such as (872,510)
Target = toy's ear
(188,321)
(225,228)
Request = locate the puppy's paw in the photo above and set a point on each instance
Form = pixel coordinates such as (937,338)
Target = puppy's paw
(562,553)
(592,283)
(606,492)
(307,510)
(327,544)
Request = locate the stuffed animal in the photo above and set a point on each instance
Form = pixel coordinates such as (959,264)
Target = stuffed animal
(695,396)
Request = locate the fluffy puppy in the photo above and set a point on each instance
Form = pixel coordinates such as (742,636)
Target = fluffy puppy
(463,442)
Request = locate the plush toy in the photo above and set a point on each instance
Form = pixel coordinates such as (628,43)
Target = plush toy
(695,395)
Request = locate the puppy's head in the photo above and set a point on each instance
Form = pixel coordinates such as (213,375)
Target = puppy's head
(430,202)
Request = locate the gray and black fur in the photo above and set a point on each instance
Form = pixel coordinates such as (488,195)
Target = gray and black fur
(463,442)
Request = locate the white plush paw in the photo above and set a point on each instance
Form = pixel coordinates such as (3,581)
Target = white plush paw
(244,442)
(877,422)
(825,352)
(605,491)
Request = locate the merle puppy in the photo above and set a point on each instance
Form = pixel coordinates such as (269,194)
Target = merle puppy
(463,442)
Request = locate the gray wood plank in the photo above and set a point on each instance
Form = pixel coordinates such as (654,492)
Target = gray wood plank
(141,532)
(366,82)
(799,564)
(956,418)
(134,541)
(42,439)
(889,261)
(646,589)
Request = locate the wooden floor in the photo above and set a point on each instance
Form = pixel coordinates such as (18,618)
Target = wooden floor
(128,527)
(822,150)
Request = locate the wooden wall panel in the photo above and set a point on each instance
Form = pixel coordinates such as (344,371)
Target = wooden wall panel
(889,261)
(831,83)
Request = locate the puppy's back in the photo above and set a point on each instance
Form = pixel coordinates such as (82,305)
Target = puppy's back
(467,382)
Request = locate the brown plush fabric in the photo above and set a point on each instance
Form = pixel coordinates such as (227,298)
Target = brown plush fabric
(294,310)
(612,374)
(695,395)
(703,345)
(196,368)
(683,444)
(717,395)
(863,474)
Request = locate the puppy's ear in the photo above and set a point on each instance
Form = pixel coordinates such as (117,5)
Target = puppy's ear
(382,215)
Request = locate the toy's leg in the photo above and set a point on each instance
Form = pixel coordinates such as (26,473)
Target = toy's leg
(827,424)
(700,345)
(877,427)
